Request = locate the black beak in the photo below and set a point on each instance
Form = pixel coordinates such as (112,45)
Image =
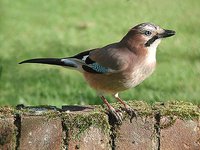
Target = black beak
(166,33)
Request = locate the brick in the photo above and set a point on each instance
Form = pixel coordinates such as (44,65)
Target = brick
(138,135)
(85,129)
(40,132)
(7,133)
(181,135)
(92,139)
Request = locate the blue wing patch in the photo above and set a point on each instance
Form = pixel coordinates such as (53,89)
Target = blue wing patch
(99,68)
(95,68)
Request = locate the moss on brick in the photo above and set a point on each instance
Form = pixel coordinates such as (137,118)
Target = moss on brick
(79,123)
(141,107)
(181,109)
(6,111)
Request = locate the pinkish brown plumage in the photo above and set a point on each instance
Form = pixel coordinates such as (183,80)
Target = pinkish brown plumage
(118,66)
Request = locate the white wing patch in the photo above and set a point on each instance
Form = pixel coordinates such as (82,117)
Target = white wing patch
(69,62)
(85,57)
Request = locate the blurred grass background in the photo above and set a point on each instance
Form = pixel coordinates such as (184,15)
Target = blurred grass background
(59,28)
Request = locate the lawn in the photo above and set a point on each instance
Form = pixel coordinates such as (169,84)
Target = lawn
(60,28)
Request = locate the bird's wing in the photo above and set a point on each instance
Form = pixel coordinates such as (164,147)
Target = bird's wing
(105,60)
(109,59)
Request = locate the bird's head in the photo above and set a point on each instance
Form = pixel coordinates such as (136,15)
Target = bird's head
(147,34)
(145,37)
(150,33)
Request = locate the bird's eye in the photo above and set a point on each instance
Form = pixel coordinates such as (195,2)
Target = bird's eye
(147,33)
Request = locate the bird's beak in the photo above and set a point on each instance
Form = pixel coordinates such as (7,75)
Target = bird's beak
(166,33)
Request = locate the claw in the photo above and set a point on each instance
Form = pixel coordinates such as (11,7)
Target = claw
(131,112)
(115,115)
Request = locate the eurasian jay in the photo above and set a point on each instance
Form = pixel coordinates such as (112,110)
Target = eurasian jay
(118,66)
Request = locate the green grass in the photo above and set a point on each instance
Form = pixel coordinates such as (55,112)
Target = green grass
(59,28)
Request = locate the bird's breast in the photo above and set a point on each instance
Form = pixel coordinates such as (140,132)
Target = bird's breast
(138,74)
(116,82)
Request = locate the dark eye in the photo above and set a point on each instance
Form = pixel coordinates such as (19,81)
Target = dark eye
(147,33)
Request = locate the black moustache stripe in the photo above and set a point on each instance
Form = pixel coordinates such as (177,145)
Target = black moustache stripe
(150,41)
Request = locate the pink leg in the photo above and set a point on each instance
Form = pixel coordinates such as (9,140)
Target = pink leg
(114,114)
(127,108)
(116,96)
(106,102)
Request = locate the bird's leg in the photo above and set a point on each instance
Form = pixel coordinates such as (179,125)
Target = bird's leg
(127,108)
(114,114)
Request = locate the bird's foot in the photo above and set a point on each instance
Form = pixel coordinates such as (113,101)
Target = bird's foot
(115,115)
(130,111)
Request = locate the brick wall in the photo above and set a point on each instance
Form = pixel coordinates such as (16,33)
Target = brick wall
(164,126)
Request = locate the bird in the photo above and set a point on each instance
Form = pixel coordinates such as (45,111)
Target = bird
(116,67)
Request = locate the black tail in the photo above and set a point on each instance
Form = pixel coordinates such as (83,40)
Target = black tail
(51,61)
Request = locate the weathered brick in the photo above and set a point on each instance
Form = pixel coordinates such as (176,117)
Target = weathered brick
(7,133)
(86,129)
(180,135)
(40,132)
(138,135)
(92,139)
